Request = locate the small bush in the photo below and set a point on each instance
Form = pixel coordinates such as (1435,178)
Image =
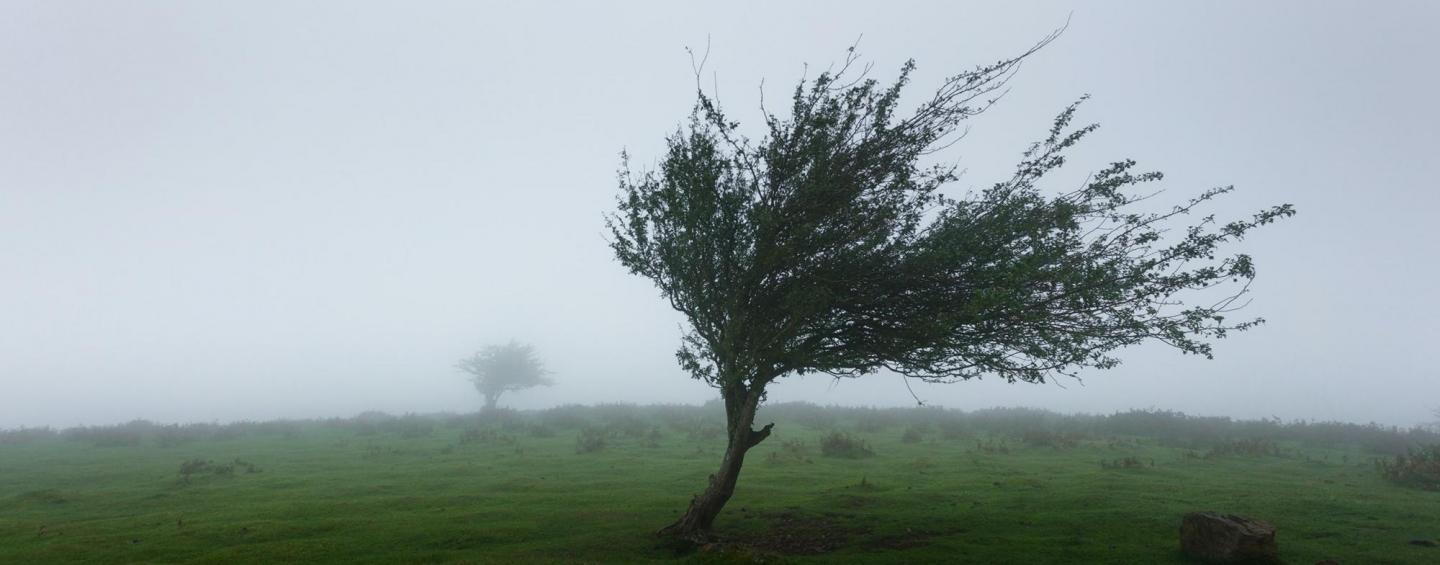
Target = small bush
(192,467)
(652,439)
(1123,463)
(842,445)
(590,440)
(1419,468)
(913,434)
(206,467)
(992,447)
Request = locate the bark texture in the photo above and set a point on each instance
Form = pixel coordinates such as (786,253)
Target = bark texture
(699,517)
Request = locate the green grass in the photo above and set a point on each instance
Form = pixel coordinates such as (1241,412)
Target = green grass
(329,495)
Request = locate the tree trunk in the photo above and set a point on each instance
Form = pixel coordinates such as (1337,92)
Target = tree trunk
(740,407)
(490,400)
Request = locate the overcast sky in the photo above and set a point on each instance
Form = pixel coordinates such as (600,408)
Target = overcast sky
(213,211)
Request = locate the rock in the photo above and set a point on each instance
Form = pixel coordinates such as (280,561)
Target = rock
(1423,542)
(1227,538)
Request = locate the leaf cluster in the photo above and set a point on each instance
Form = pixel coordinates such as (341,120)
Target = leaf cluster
(828,245)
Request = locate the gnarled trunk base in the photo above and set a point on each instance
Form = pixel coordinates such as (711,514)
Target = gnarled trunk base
(694,525)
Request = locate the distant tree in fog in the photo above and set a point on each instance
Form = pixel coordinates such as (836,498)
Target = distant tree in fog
(828,247)
(499,369)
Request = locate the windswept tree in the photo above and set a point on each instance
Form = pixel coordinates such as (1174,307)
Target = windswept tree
(828,246)
(499,369)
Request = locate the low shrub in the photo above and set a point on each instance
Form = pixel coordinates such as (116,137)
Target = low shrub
(194,467)
(590,440)
(1123,463)
(992,447)
(842,445)
(1419,468)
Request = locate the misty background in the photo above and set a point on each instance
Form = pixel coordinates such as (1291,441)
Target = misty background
(214,212)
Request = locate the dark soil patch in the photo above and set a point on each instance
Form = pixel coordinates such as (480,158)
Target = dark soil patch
(793,534)
(790,533)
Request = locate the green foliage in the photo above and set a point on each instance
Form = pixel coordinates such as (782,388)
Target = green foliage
(827,246)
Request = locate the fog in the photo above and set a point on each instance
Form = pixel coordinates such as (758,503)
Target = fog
(257,210)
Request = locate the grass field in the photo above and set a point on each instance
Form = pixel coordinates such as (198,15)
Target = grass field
(590,484)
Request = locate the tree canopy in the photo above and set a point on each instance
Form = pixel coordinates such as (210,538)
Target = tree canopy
(498,369)
(830,245)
